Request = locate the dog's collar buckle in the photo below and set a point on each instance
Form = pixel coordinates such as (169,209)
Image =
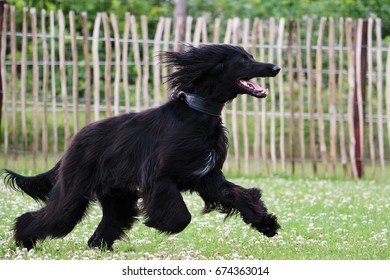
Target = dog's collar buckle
(199,103)
(180,95)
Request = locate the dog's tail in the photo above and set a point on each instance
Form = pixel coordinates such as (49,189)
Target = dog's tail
(38,187)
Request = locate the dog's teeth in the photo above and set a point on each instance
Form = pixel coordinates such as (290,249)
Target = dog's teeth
(244,83)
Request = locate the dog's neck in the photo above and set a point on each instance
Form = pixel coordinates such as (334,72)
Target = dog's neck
(199,103)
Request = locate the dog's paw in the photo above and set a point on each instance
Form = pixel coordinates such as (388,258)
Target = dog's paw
(100,244)
(28,244)
(269,226)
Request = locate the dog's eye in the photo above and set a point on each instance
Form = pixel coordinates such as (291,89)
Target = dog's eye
(244,59)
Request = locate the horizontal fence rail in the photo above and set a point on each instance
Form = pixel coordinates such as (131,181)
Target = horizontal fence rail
(328,112)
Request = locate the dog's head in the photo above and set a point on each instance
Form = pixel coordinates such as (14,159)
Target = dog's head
(217,72)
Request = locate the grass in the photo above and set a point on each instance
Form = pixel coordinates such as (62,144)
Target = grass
(320,218)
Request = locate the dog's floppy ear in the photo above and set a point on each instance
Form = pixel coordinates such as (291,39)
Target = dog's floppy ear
(217,69)
(212,71)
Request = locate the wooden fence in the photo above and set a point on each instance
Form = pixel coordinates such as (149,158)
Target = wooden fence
(325,114)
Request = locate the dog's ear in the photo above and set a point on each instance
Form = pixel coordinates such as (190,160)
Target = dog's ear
(217,69)
(208,71)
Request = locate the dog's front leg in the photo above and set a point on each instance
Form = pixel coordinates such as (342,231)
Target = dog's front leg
(227,197)
(164,206)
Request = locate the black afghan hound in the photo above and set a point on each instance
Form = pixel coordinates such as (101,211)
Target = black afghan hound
(152,155)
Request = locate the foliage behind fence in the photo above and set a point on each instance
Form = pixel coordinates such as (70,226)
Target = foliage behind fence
(326,112)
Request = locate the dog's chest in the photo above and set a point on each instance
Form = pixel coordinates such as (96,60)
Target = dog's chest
(208,164)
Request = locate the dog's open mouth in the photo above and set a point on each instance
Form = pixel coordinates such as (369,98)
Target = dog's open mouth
(252,88)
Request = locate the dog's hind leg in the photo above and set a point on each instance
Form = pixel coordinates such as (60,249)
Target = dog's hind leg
(56,219)
(226,197)
(119,214)
(165,208)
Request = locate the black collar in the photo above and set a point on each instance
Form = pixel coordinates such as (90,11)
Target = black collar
(200,104)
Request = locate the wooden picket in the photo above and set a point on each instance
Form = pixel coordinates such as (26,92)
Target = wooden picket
(23,83)
(300,98)
(281,95)
(35,87)
(309,67)
(332,97)
(379,86)
(4,81)
(45,90)
(290,62)
(13,93)
(351,86)
(369,104)
(75,70)
(319,96)
(87,67)
(272,27)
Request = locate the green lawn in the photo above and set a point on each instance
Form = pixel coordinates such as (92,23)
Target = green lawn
(320,218)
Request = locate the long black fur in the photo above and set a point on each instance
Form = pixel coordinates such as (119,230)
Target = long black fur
(153,155)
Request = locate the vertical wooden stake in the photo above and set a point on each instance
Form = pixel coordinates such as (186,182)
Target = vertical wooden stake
(351,91)
(188,30)
(235,127)
(245,42)
(379,86)
(3,80)
(145,73)
(227,38)
(75,69)
(256,138)
(272,27)
(370,98)
(87,89)
(107,65)
(360,92)
(281,94)
(216,30)
(319,92)
(166,38)
(45,86)
(117,72)
(53,82)
(137,62)
(96,67)
(2,6)
(125,55)
(387,92)
(64,92)
(264,131)
(35,87)
(332,97)
(343,148)
(23,83)
(310,95)
(300,98)
(291,89)
(156,62)
(14,78)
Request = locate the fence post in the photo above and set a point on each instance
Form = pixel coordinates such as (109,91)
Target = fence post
(310,94)
(180,14)
(360,93)
(2,3)
(291,25)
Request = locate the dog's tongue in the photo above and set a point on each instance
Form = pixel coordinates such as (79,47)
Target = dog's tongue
(254,87)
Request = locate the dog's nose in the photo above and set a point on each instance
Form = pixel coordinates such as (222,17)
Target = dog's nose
(275,69)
